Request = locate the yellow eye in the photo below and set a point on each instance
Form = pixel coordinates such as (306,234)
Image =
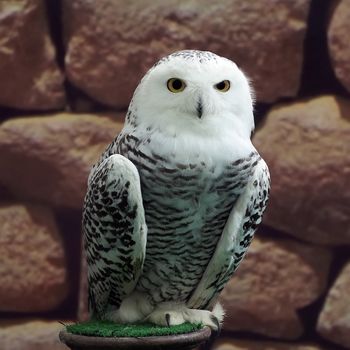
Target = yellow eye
(175,85)
(223,86)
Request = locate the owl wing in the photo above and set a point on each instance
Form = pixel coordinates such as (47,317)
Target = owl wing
(114,233)
(235,239)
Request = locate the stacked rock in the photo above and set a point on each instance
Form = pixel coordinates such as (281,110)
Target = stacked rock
(67,72)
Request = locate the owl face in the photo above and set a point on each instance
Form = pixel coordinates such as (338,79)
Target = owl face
(197,91)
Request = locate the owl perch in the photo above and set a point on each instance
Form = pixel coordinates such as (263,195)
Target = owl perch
(173,203)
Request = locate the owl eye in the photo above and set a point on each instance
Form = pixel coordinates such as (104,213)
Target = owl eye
(223,86)
(175,85)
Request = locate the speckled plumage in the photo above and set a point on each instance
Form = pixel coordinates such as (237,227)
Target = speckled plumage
(171,208)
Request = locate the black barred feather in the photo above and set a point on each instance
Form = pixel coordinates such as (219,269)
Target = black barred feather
(114,233)
(180,243)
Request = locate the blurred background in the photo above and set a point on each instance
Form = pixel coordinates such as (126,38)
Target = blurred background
(67,72)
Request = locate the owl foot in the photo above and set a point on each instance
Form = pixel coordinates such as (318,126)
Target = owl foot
(133,309)
(175,315)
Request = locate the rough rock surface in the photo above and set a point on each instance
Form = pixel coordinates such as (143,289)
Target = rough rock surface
(304,145)
(48,158)
(111,44)
(338,41)
(32,259)
(277,278)
(29,75)
(30,335)
(334,321)
(231,344)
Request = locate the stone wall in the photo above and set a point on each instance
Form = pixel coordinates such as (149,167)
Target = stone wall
(67,71)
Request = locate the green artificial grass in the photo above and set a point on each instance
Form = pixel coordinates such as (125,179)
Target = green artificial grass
(111,329)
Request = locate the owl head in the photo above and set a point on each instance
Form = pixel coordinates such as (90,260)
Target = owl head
(195,92)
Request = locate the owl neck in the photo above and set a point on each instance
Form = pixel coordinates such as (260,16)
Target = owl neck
(189,145)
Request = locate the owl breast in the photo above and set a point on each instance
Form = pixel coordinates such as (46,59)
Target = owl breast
(186,204)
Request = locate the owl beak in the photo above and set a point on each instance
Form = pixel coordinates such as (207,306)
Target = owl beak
(199,108)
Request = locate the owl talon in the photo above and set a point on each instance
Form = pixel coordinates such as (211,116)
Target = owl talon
(215,320)
(215,332)
(171,315)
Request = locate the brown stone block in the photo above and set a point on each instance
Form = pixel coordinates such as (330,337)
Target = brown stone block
(334,320)
(306,146)
(233,344)
(277,278)
(30,335)
(48,158)
(110,44)
(338,40)
(33,274)
(29,75)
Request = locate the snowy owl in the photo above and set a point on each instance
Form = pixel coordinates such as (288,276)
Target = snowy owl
(173,203)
